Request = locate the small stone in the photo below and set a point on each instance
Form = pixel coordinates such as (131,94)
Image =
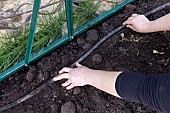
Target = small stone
(31,74)
(122,35)
(80,42)
(87,46)
(68,107)
(97,58)
(76,91)
(92,35)
(10,78)
(157,52)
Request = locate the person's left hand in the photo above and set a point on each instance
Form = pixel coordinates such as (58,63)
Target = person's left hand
(138,23)
(79,76)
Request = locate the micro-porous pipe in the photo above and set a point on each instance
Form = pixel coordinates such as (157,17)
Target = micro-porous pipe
(49,82)
(115,31)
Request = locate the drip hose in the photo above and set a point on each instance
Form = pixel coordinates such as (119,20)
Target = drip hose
(49,82)
(115,31)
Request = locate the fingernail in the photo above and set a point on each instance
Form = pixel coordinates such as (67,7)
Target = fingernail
(67,88)
(62,85)
(55,78)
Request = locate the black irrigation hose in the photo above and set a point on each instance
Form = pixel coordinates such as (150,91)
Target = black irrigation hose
(115,31)
(49,82)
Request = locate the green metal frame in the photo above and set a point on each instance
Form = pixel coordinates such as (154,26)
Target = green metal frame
(34,18)
(30,58)
(69,16)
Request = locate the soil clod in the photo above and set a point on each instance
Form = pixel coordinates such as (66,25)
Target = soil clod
(76,91)
(43,75)
(80,42)
(87,46)
(92,35)
(97,58)
(31,74)
(130,7)
(68,107)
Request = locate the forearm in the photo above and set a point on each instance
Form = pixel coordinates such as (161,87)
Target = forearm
(104,81)
(161,24)
(150,90)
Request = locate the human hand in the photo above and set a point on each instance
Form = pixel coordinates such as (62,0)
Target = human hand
(138,23)
(79,76)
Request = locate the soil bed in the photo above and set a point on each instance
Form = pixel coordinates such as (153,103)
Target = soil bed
(127,50)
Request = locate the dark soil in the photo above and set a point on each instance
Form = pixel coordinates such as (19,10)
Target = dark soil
(127,50)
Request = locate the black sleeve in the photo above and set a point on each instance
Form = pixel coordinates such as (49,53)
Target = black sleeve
(150,90)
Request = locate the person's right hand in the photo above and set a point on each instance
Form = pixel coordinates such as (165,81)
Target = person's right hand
(79,76)
(138,23)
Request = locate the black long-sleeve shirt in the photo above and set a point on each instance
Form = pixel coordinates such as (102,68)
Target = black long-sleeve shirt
(150,90)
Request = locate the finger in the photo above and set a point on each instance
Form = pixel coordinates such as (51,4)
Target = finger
(129,21)
(62,76)
(70,87)
(130,18)
(78,65)
(68,82)
(65,69)
(131,27)
(134,15)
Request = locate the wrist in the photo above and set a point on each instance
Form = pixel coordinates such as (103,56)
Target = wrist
(90,77)
(94,77)
(149,27)
(153,27)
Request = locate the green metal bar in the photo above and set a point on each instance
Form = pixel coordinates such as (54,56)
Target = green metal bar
(5,74)
(49,48)
(34,18)
(69,16)
(61,41)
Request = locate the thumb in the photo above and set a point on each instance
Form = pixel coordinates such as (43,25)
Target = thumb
(70,87)
(128,22)
(131,27)
(78,65)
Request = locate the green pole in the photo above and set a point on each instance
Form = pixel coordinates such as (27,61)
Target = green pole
(69,16)
(34,18)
